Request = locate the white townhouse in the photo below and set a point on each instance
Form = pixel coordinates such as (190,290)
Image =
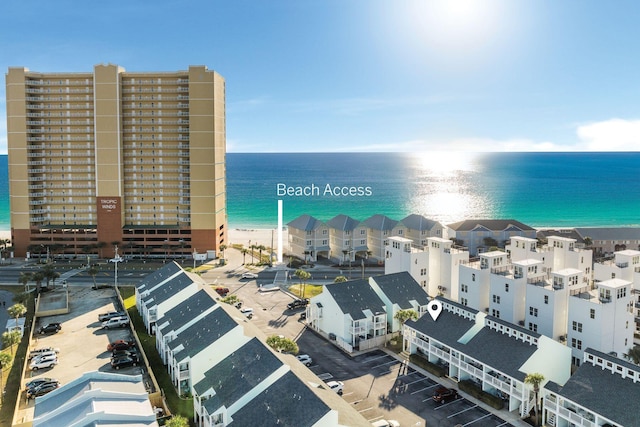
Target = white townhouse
(195,349)
(308,238)
(350,313)
(493,354)
(347,238)
(482,234)
(601,319)
(399,291)
(154,303)
(379,229)
(96,398)
(474,279)
(434,266)
(418,228)
(155,280)
(603,391)
(256,373)
(181,317)
(559,253)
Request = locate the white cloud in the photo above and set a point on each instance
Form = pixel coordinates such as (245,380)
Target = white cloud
(609,135)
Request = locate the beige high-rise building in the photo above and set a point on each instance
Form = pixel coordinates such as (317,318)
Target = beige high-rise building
(111,157)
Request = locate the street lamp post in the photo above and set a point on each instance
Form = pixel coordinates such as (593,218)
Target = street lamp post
(194,258)
(116,259)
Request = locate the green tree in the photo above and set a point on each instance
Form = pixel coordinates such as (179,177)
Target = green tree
(282,344)
(50,274)
(303,276)
(535,379)
(9,339)
(5,361)
(339,279)
(260,249)
(230,299)
(244,255)
(177,421)
(25,278)
(633,355)
(17,310)
(38,277)
(253,248)
(93,272)
(403,315)
(222,249)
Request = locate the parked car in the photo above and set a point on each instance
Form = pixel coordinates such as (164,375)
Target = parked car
(299,303)
(337,386)
(133,352)
(42,389)
(43,362)
(40,381)
(249,276)
(110,315)
(120,345)
(49,328)
(123,362)
(222,291)
(42,350)
(117,259)
(247,312)
(305,359)
(116,322)
(443,394)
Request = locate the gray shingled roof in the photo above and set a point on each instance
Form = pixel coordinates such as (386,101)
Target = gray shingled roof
(448,328)
(355,296)
(168,289)
(418,222)
(401,288)
(380,222)
(286,403)
(605,393)
(202,334)
(305,222)
(610,233)
(159,275)
(491,224)
(569,233)
(237,374)
(343,222)
(186,311)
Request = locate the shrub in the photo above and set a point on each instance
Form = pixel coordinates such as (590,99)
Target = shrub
(432,368)
(470,387)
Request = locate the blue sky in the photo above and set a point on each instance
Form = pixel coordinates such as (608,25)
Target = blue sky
(367,75)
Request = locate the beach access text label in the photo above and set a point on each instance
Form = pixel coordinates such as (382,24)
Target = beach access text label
(327,190)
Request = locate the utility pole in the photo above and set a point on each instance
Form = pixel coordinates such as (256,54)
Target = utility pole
(116,259)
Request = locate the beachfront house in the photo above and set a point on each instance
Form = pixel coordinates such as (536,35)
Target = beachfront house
(487,353)
(419,229)
(480,235)
(308,238)
(379,229)
(347,238)
(351,313)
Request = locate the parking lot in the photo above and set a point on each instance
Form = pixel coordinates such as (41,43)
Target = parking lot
(81,341)
(377,384)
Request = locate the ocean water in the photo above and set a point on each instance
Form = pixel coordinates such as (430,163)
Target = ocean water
(539,189)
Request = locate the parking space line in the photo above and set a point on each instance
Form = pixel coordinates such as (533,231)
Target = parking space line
(375,358)
(417,381)
(384,364)
(460,412)
(366,409)
(503,424)
(478,419)
(445,404)
(423,389)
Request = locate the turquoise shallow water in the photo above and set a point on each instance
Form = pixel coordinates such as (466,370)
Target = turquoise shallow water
(539,189)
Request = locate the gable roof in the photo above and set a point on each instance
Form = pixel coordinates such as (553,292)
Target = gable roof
(418,222)
(609,233)
(448,328)
(490,224)
(186,311)
(380,222)
(168,289)
(160,275)
(202,334)
(237,375)
(287,403)
(305,222)
(589,384)
(355,296)
(343,222)
(401,288)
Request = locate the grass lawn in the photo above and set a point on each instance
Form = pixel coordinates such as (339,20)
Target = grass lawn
(177,405)
(309,290)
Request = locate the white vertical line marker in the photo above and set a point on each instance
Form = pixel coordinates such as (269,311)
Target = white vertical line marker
(279,231)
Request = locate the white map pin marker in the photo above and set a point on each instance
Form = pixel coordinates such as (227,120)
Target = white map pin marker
(435,308)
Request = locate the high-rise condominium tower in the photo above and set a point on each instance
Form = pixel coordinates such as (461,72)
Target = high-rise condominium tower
(112,158)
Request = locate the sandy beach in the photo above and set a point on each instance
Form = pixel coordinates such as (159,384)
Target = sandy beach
(5,234)
(258,236)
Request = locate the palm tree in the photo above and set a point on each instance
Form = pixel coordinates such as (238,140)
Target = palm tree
(222,249)
(9,339)
(253,247)
(535,379)
(403,315)
(260,249)
(339,279)
(93,271)
(38,277)
(303,276)
(244,255)
(281,344)
(50,274)
(24,279)
(5,360)
(17,310)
